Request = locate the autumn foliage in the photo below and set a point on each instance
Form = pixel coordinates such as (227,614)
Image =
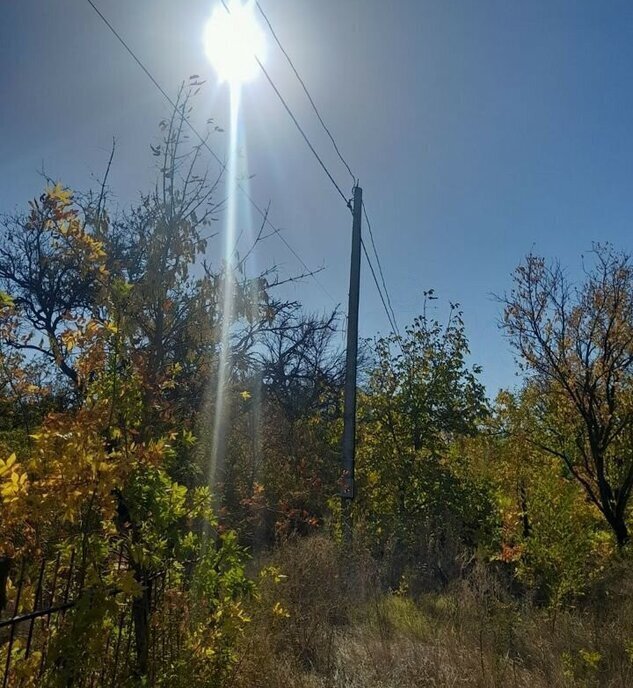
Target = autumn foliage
(114,465)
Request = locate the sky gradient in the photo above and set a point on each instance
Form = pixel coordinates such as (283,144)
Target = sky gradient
(479,131)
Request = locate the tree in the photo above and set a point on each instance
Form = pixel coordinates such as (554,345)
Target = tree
(420,397)
(281,465)
(550,537)
(123,313)
(576,342)
(49,265)
(300,368)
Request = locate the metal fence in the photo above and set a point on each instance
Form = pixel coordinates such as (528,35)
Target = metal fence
(61,627)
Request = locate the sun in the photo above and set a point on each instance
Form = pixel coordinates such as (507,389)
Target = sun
(232,40)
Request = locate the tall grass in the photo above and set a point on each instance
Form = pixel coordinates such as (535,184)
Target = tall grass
(341,628)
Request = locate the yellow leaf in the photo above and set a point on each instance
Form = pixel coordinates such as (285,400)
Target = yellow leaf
(59,193)
(278,610)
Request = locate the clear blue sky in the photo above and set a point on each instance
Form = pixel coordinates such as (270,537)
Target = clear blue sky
(479,130)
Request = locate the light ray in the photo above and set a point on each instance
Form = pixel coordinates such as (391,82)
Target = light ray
(224,365)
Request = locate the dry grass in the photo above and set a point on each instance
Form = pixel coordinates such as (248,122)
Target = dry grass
(344,632)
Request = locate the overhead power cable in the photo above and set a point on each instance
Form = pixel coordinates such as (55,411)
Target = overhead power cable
(388,305)
(306,91)
(206,145)
(392,324)
(382,274)
(307,140)
(296,121)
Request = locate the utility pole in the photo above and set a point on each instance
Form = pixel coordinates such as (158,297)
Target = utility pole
(349,410)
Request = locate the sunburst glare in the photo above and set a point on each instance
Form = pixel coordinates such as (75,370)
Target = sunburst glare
(234,41)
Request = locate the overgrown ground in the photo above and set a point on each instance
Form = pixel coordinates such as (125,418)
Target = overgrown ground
(348,632)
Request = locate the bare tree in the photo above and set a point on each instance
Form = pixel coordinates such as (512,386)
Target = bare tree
(301,368)
(577,343)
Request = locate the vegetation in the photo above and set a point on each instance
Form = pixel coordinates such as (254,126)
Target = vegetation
(169,470)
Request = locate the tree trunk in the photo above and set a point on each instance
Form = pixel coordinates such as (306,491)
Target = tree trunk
(620,530)
(140,615)
(525,519)
(5,566)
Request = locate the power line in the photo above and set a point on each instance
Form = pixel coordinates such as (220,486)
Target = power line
(382,274)
(385,299)
(205,143)
(382,298)
(391,314)
(296,122)
(306,91)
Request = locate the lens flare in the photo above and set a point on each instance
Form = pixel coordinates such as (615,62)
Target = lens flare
(224,363)
(233,43)
(232,39)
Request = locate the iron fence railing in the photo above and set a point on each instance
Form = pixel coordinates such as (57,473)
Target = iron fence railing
(51,603)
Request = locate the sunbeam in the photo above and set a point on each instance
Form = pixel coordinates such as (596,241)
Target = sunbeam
(224,364)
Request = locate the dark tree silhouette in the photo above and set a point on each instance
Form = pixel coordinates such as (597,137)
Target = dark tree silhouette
(577,342)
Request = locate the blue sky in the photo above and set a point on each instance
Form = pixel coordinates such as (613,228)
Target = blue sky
(479,130)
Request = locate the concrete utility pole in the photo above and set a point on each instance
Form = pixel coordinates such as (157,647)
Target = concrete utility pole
(349,412)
